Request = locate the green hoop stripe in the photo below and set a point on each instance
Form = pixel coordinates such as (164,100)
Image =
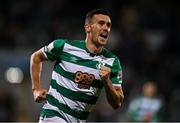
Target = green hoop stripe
(58,69)
(73,95)
(66,109)
(50,113)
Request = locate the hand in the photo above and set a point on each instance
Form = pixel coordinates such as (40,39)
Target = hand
(104,73)
(39,94)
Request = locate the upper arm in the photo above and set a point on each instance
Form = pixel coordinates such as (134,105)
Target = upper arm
(54,49)
(116,73)
(116,78)
(38,56)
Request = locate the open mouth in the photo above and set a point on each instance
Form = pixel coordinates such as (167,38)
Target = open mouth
(104,35)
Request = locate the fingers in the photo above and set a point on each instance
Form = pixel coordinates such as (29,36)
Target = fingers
(40,95)
(104,75)
(104,72)
(40,99)
(104,68)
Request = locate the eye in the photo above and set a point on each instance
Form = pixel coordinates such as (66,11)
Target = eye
(101,23)
(108,24)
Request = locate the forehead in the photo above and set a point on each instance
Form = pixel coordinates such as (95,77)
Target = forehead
(101,17)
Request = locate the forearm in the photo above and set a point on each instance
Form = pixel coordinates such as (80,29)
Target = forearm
(35,69)
(114,97)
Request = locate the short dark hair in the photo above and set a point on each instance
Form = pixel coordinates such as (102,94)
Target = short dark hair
(91,13)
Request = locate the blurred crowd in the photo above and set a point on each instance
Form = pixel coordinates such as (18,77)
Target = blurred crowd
(145,36)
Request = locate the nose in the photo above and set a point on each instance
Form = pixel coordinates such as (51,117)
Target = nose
(106,28)
(108,25)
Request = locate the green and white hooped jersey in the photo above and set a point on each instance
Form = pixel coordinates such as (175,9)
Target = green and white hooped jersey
(76,85)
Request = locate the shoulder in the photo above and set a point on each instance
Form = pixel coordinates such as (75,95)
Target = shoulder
(109,54)
(74,42)
(58,42)
(62,42)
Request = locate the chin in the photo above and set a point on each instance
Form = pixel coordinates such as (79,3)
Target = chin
(102,42)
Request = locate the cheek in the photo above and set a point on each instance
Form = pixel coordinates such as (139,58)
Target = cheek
(94,32)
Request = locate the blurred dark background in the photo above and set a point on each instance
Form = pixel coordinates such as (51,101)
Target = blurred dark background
(145,36)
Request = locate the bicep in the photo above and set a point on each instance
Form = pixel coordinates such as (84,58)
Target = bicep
(38,56)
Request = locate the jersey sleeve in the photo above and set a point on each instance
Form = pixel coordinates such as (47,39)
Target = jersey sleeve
(53,50)
(116,73)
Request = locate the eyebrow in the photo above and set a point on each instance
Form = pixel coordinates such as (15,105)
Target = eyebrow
(102,21)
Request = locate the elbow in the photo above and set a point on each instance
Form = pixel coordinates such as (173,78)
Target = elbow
(116,106)
(118,103)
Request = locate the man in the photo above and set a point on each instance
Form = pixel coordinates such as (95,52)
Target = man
(82,68)
(147,107)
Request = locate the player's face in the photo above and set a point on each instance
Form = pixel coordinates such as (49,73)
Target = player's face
(100,29)
(149,89)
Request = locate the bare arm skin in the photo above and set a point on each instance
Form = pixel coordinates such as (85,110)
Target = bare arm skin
(114,95)
(35,70)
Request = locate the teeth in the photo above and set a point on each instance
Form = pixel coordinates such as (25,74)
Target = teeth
(103,35)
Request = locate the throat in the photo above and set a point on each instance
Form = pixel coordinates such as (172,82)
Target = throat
(94,49)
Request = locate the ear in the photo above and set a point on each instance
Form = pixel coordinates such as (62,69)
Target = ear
(87,28)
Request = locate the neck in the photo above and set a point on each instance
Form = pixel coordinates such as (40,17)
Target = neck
(92,47)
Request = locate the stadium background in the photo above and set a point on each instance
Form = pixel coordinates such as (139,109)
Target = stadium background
(145,35)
